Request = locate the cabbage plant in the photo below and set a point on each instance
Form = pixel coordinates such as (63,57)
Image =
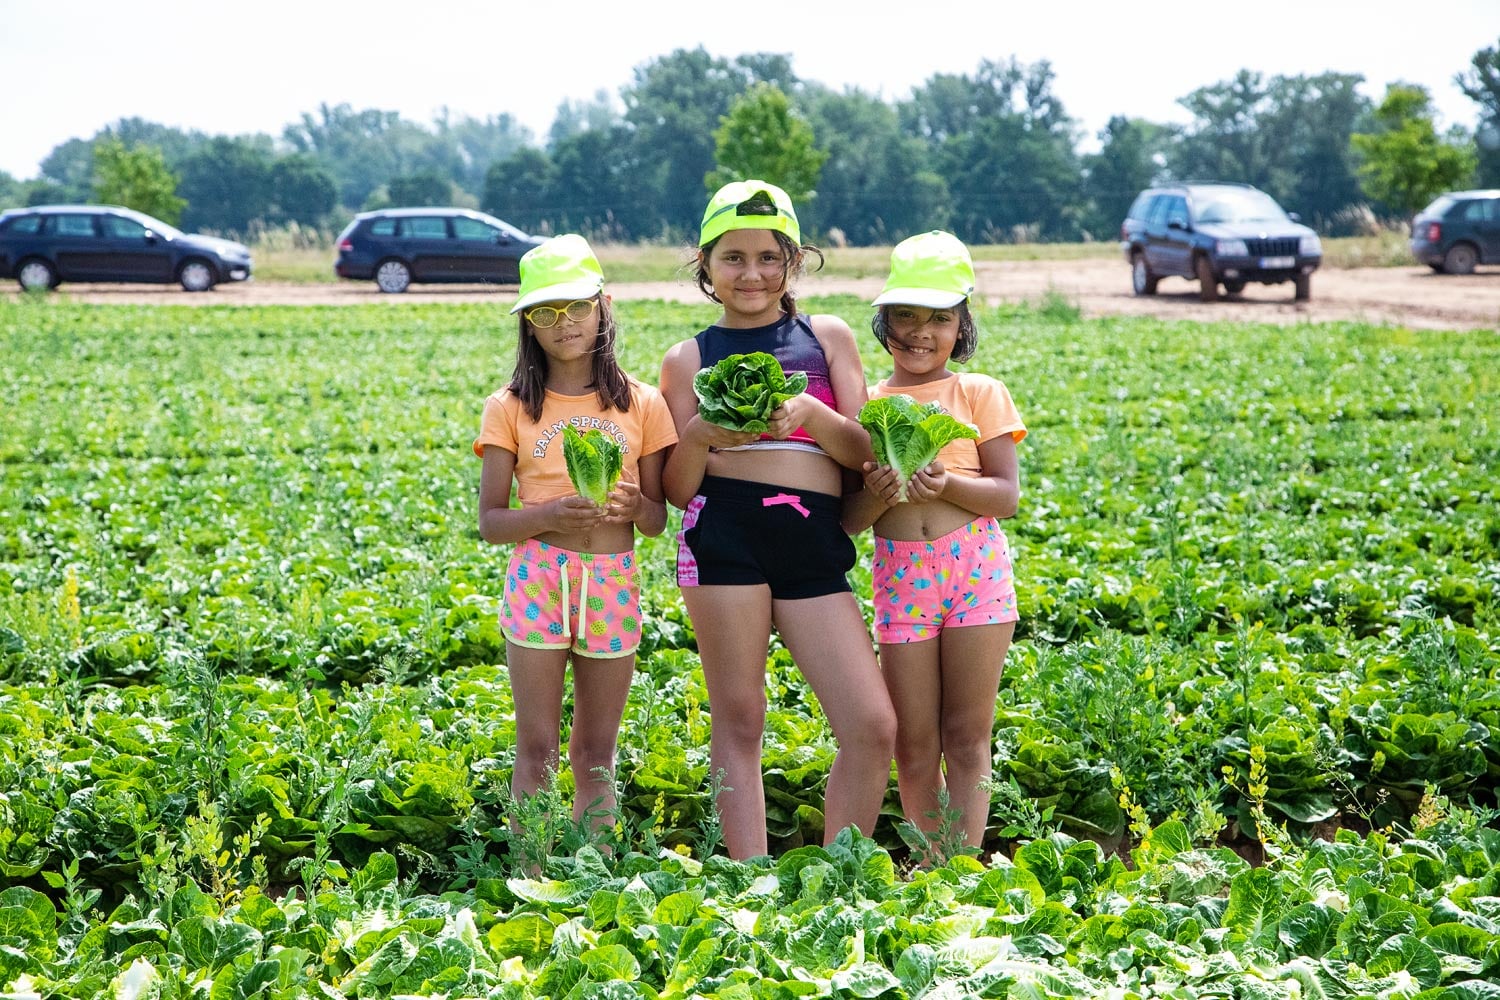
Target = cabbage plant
(742,391)
(907,435)
(594,462)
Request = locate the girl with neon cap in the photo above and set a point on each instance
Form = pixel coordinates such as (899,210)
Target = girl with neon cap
(572,589)
(761,544)
(945,597)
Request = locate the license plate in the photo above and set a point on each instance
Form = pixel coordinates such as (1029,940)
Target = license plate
(1277,263)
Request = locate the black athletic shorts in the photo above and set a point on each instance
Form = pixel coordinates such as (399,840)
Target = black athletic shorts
(737,532)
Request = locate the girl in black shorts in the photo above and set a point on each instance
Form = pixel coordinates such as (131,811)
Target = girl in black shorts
(761,544)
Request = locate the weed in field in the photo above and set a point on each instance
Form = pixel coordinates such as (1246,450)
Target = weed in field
(935,848)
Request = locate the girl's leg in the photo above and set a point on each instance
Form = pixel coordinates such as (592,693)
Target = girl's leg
(914,679)
(972,659)
(733,627)
(536,685)
(828,639)
(600,689)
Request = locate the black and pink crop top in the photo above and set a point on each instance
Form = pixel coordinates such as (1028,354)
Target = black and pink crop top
(792,342)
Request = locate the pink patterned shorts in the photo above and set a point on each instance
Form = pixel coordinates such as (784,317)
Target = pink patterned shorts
(557,599)
(962,578)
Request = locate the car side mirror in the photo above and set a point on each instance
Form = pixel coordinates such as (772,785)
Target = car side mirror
(1177,222)
(502,237)
(1294,216)
(150,238)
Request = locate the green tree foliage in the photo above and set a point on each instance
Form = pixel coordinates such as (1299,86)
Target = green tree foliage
(877,185)
(301,190)
(1288,135)
(1130,157)
(227,184)
(136,178)
(68,171)
(11,191)
(426,187)
(1481,82)
(1404,162)
(1005,148)
(598,186)
(599,112)
(764,136)
(518,189)
(673,107)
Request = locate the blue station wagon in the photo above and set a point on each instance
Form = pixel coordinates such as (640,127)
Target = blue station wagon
(43,246)
(399,246)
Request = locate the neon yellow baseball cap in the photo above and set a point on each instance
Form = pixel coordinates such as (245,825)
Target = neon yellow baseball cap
(932,270)
(722,213)
(560,270)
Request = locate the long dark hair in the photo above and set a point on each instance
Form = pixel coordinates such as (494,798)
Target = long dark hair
(529,381)
(793,256)
(963,347)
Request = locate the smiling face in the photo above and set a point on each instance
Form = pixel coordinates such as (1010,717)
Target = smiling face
(920,341)
(748,270)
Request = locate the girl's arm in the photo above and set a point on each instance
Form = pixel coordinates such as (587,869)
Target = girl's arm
(641,503)
(879,492)
(500,523)
(837,431)
(995,493)
(687,461)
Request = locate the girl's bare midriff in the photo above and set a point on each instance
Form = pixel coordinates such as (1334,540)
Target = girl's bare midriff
(801,470)
(922,522)
(602,538)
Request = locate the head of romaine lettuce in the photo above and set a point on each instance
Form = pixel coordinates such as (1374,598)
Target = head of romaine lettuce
(741,391)
(907,435)
(594,463)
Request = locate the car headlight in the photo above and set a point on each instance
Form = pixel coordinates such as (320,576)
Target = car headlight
(1231,248)
(1310,246)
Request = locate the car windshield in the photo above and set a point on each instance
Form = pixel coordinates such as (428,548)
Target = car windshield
(506,227)
(1231,205)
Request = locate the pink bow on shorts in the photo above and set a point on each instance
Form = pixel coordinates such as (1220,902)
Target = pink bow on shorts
(792,500)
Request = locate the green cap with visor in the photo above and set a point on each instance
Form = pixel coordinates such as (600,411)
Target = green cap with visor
(932,270)
(723,215)
(562,269)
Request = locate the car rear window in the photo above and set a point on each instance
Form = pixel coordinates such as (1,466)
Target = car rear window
(383,227)
(24,225)
(425,228)
(1482,210)
(1440,207)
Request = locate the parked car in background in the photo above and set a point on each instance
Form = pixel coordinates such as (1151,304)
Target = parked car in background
(1217,233)
(1458,231)
(48,244)
(399,246)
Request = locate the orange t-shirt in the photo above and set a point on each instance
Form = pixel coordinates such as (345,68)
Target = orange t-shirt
(541,471)
(973,398)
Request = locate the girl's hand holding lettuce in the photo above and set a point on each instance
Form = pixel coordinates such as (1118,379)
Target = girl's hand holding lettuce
(906,435)
(742,391)
(594,463)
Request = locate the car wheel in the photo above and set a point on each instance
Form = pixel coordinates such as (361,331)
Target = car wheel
(196,276)
(1208,288)
(1234,286)
(1460,259)
(392,276)
(1303,285)
(36,276)
(1142,281)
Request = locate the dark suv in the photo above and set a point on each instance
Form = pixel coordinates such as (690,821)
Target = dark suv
(397,246)
(1457,231)
(1217,232)
(48,244)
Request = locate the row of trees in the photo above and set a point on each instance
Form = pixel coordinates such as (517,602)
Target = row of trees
(991,155)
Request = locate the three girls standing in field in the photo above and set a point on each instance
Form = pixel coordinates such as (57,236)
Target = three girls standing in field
(765,529)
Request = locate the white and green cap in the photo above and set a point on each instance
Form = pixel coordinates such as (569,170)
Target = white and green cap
(932,270)
(723,215)
(560,270)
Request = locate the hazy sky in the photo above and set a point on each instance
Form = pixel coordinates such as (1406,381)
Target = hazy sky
(256,65)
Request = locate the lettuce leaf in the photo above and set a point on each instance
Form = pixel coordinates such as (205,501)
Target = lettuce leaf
(907,435)
(594,463)
(741,391)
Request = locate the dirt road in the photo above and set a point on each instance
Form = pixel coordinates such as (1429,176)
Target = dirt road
(1403,296)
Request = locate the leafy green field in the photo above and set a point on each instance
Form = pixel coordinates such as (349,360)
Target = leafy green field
(255,735)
